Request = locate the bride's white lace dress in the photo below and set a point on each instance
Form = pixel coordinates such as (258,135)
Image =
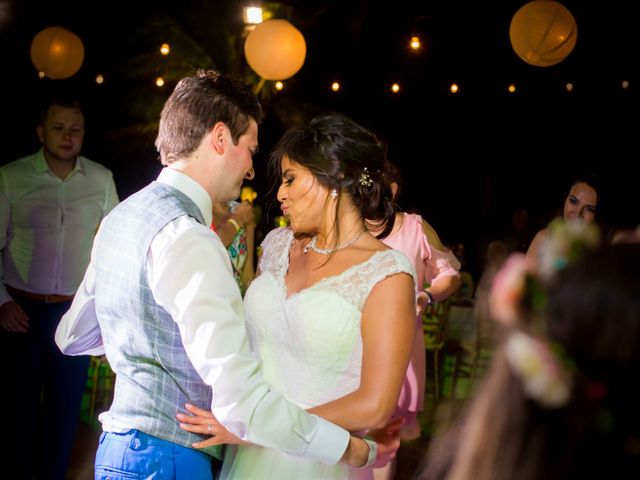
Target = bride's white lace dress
(310,347)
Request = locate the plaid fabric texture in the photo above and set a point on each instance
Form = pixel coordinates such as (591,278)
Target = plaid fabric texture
(154,376)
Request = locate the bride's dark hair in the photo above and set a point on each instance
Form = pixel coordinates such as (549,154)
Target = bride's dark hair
(344,155)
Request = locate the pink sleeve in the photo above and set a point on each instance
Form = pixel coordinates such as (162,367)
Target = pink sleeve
(438,263)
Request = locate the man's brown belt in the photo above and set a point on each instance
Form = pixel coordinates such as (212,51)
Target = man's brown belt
(54,298)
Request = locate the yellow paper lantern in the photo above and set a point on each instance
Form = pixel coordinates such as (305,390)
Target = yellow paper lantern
(57,52)
(543,33)
(275,49)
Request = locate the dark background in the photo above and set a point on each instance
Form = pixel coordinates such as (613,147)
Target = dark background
(469,159)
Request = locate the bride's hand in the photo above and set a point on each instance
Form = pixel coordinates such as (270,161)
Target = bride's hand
(388,440)
(203,422)
(422,302)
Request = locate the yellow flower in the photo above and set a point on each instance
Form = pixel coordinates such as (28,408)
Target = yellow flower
(248,194)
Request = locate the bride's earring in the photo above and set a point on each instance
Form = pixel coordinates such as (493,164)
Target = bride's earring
(334,193)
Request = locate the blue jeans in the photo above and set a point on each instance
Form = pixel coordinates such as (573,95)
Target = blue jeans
(136,455)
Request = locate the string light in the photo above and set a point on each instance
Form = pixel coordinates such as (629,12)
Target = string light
(252,15)
(255,15)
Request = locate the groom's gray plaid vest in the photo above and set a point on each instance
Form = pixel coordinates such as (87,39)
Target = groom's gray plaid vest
(154,377)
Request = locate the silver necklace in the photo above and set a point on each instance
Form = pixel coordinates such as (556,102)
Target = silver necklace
(328,251)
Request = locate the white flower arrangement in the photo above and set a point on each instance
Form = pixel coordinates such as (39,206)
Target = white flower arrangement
(518,297)
(508,289)
(567,241)
(544,377)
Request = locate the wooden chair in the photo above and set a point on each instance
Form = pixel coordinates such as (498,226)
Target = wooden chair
(435,325)
(473,355)
(98,393)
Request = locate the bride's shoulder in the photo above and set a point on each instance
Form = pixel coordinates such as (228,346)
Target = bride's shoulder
(277,237)
(389,261)
(274,250)
(391,255)
(375,245)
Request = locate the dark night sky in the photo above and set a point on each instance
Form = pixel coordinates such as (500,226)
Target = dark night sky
(453,149)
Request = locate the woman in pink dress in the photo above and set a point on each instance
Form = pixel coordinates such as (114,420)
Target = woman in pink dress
(438,273)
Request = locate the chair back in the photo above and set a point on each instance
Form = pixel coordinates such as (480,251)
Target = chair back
(435,325)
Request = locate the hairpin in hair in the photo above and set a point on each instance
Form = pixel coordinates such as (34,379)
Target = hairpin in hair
(365,178)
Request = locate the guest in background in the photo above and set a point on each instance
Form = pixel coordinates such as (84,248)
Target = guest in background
(51,203)
(465,292)
(580,204)
(626,235)
(438,273)
(519,234)
(558,401)
(235,224)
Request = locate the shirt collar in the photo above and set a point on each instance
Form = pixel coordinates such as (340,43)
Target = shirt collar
(191,189)
(40,163)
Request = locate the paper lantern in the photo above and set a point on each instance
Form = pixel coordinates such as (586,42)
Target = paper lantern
(275,49)
(57,52)
(543,33)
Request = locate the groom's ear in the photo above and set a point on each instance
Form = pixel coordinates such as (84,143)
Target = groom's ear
(218,140)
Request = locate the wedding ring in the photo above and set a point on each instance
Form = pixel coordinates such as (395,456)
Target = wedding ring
(209,428)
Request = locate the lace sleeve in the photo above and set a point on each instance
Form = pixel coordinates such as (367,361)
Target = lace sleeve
(275,250)
(391,263)
(358,283)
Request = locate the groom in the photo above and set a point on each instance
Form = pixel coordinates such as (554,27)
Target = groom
(159,298)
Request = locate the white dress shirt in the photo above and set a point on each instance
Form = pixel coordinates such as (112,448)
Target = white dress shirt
(47,224)
(190,275)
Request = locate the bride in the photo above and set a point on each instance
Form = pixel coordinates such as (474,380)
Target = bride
(331,313)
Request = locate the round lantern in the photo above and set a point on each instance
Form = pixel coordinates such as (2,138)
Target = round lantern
(275,49)
(57,52)
(543,33)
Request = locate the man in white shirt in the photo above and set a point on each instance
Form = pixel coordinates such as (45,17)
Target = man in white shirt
(51,203)
(159,298)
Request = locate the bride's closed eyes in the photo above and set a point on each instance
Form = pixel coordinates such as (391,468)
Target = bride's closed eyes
(288,180)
